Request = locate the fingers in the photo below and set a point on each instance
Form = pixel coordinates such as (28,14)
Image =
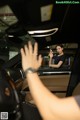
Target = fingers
(40,59)
(30,47)
(22,52)
(51,51)
(26,50)
(29,56)
(35,49)
(31,51)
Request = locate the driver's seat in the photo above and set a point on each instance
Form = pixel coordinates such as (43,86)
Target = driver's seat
(76,91)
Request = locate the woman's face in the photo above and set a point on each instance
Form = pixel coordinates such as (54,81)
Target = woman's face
(59,49)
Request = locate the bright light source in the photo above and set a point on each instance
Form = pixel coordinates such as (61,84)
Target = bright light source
(43,31)
(10,36)
(39,33)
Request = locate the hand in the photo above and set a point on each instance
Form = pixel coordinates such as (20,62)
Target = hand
(51,53)
(29,57)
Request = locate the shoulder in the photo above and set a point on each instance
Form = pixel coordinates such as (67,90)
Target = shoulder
(77,98)
(63,56)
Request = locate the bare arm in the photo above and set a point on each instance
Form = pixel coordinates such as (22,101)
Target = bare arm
(51,56)
(56,65)
(50,61)
(50,106)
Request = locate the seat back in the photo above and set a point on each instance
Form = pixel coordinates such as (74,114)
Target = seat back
(75,73)
(76,91)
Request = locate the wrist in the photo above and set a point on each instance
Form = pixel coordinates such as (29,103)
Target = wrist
(29,70)
(50,58)
(50,65)
(31,75)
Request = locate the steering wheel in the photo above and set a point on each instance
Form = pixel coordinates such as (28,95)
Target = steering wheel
(9,100)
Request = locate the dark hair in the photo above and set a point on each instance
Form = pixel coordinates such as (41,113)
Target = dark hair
(61,45)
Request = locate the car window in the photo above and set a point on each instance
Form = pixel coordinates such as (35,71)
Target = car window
(69,51)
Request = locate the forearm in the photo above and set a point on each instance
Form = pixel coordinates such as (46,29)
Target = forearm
(50,106)
(41,95)
(50,61)
(54,65)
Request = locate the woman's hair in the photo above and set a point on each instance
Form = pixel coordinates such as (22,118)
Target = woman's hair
(61,45)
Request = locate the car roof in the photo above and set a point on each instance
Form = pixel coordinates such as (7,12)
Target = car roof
(32,15)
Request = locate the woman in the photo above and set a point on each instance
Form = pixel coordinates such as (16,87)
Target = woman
(58,59)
